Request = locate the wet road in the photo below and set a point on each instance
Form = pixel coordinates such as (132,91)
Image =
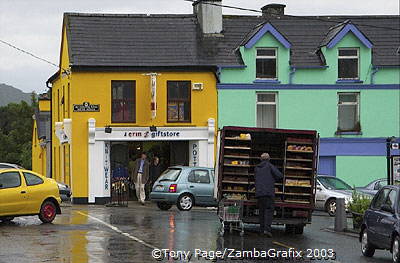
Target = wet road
(111,234)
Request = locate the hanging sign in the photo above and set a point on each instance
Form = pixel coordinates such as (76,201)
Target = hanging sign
(153,93)
(86,107)
(62,136)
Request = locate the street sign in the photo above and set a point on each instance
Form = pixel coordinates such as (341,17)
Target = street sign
(86,107)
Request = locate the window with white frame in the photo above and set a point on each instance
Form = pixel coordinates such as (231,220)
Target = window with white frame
(348,63)
(266,110)
(348,112)
(266,66)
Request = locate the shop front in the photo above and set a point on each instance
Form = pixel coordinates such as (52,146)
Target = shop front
(111,148)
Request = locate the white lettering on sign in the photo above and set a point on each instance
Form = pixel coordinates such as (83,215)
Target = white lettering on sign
(106,166)
(156,134)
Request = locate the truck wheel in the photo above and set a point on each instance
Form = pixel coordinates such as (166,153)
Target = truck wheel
(395,250)
(6,219)
(185,202)
(299,229)
(164,206)
(47,212)
(367,249)
(289,229)
(331,207)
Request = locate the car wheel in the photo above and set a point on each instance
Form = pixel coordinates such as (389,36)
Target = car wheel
(6,219)
(163,206)
(289,229)
(185,202)
(48,212)
(331,207)
(395,250)
(367,249)
(299,229)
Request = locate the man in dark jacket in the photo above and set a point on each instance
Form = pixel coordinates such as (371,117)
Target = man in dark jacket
(139,171)
(266,174)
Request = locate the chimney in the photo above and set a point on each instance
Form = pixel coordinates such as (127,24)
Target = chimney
(209,15)
(273,9)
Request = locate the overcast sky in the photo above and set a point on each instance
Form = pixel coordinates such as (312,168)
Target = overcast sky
(36,26)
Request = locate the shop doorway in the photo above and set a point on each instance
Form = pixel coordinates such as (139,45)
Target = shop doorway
(170,153)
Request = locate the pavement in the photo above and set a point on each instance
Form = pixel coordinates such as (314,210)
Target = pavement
(88,233)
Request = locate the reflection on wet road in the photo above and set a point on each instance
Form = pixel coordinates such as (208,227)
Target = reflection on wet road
(111,234)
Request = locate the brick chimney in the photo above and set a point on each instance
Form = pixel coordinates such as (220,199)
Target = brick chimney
(209,15)
(273,9)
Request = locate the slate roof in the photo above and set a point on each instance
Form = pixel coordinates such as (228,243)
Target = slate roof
(176,40)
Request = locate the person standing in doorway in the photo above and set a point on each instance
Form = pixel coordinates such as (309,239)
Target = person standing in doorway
(140,176)
(265,176)
(155,172)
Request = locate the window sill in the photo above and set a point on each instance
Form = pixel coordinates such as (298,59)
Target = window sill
(348,133)
(272,81)
(343,81)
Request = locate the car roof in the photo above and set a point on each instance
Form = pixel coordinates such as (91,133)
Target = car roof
(190,167)
(392,187)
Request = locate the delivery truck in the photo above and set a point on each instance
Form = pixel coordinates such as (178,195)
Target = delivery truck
(293,152)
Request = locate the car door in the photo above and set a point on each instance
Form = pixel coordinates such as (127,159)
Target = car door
(12,193)
(373,216)
(387,220)
(34,191)
(320,196)
(201,186)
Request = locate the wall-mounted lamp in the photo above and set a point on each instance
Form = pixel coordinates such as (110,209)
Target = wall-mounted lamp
(153,128)
(108,129)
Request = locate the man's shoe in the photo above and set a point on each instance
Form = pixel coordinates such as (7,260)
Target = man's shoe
(267,234)
(142,203)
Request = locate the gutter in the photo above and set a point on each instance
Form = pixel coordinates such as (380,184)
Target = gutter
(291,74)
(374,71)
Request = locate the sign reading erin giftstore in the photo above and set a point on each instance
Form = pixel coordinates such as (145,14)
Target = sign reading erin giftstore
(86,107)
(150,134)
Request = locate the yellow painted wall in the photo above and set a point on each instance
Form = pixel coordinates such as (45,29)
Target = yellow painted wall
(39,156)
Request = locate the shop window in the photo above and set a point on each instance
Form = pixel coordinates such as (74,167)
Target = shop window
(179,104)
(32,179)
(10,180)
(348,63)
(266,110)
(123,100)
(348,112)
(199,176)
(266,63)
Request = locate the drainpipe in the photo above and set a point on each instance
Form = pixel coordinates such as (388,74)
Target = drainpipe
(291,74)
(51,130)
(374,71)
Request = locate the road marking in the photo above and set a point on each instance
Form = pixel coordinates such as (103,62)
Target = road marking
(281,244)
(116,229)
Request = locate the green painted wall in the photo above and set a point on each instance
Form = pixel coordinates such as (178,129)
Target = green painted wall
(368,168)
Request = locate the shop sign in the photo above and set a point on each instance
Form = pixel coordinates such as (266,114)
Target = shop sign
(195,153)
(152,135)
(62,136)
(106,166)
(86,107)
(396,169)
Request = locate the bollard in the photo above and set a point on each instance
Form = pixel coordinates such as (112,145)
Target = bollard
(340,217)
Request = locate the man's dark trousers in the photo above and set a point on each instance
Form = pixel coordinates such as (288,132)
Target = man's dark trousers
(266,210)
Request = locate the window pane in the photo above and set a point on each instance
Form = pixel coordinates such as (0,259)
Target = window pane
(380,198)
(347,117)
(32,179)
(347,52)
(266,68)
(391,200)
(266,116)
(123,100)
(348,97)
(200,176)
(10,179)
(348,68)
(266,52)
(265,97)
(179,105)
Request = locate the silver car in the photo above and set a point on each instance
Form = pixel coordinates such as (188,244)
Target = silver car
(185,187)
(329,188)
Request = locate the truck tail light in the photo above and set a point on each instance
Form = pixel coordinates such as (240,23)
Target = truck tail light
(172,188)
(299,213)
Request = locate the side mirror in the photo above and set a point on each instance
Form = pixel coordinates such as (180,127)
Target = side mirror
(377,186)
(319,188)
(387,208)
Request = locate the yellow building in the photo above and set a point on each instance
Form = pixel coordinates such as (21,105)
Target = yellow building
(41,138)
(129,83)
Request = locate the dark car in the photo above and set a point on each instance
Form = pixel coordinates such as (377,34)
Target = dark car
(373,187)
(381,224)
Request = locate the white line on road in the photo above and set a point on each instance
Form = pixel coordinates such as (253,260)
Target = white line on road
(116,229)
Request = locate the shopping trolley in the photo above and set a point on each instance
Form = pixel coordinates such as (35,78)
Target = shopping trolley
(230,213)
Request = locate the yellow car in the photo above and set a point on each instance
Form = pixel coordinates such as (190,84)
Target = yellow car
(24,192)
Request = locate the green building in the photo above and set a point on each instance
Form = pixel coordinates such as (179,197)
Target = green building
(338,75)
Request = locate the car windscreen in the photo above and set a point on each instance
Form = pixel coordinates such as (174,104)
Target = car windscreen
(333,183)
(170,174)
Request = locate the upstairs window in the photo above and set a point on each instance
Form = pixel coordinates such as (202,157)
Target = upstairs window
(348,63)
(348,112)
(266,63)
(266,110)
(123,101)
(179,104)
